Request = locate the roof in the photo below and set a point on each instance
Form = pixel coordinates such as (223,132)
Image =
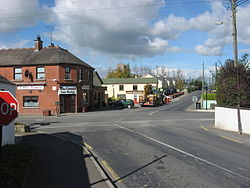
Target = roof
(4,80)
(129,80)
(45,56)
(98,76)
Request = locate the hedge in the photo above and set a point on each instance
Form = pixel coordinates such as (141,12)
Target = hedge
(210,96)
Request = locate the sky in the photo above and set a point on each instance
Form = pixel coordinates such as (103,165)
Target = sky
(174,34)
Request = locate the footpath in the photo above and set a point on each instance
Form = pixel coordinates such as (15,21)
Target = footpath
(58,163)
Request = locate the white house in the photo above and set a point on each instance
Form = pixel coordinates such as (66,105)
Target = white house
(163,81)
(8,135)
(127,88)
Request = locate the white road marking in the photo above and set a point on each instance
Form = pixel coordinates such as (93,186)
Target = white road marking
(186,153)
(71,125)
(153,112)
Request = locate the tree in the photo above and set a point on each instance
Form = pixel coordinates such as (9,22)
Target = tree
(120,72)
(179,80)
(229,93)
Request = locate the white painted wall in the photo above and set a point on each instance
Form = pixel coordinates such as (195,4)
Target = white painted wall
(8,131)
(113,89)
(227,118)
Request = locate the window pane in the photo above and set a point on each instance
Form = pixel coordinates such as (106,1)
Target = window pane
(30,101)
(18,70)
(18,76)
(67,69)
(40,76)
(67,76)
(121,88)
(40,69)
(134,87)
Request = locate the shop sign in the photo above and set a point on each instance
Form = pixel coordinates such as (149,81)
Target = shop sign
(30,87)
(67,90)
(85,87)
(134,92)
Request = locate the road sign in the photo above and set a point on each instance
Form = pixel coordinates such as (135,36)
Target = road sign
(9,108)
(195,99)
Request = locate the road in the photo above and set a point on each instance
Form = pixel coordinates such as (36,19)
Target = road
(159,147)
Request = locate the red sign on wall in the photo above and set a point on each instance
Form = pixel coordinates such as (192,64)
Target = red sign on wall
(9,108)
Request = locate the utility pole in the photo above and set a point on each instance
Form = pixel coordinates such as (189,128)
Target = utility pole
(235,48)
(235,43)
(203,82)
(215,75)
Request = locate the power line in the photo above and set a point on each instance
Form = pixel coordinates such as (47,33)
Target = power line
(107,8)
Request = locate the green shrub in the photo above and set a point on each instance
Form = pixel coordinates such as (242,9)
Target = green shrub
(231,91)
(210,96)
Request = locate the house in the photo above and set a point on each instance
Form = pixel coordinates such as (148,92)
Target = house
(127,88)
(8,133)
(48,79)
(163,81)
(98,91)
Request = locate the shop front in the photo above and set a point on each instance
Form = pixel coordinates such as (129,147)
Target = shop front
(68,98)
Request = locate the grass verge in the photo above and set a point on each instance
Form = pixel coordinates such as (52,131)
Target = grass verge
(14,165)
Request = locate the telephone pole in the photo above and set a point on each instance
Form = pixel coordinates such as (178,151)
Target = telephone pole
(236,64)
(235,43)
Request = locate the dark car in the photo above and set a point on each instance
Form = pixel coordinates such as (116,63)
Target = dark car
(122,103)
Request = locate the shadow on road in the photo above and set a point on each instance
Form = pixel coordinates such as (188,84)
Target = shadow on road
(138,169)
(56,163)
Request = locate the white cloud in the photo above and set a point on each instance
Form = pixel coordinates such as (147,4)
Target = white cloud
(20,44)
(112,31)
(208,51)
(18,14)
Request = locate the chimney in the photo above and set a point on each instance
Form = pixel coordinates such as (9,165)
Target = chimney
(38,43)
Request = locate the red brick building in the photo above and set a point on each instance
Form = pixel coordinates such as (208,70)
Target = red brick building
(48,79)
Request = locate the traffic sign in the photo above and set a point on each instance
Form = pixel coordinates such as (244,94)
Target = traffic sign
(9,108)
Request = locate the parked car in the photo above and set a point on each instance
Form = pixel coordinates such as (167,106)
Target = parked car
(122,103)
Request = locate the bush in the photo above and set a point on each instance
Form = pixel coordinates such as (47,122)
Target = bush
(15,162)
(210,96)
(228,91)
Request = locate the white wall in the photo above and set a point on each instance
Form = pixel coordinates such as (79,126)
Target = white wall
(8,131)
(113,89)
(227,118)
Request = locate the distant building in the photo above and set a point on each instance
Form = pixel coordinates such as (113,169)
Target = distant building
(8,134)
(127,88)
(48,79)
(98,91)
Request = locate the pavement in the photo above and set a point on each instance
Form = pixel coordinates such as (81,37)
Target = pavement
(60,163)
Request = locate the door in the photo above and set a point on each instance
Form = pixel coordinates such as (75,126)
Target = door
(62,104)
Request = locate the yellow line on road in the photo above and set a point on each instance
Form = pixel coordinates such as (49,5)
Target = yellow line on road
(112,172)
(231,139)
(204,128)
(88,146)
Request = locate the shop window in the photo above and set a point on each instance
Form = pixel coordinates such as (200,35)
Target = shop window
(121,96)
(85,97)
(17,73)
(30,101)
(121,87)
(134,87)
(40,73)
(67,73)
(95,96)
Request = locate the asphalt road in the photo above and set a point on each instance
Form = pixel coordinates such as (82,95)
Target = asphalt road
(159,147)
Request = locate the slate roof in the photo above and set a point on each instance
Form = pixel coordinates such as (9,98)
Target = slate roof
(45,56)
(4,80)
(129,80)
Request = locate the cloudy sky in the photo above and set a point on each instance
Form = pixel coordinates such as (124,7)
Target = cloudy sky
(171,33)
